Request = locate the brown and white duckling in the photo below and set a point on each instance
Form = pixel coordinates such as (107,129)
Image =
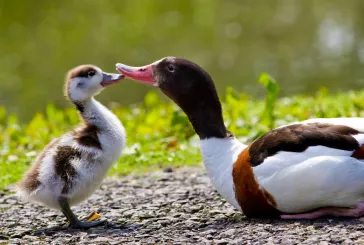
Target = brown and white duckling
(71,167)
(300,171)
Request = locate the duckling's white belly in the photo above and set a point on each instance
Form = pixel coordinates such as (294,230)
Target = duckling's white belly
(91,172)
(321,181)
(88,178)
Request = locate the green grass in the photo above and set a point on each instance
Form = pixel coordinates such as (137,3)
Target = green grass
(159,134)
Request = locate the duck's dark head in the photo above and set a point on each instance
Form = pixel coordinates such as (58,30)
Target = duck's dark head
(189,86)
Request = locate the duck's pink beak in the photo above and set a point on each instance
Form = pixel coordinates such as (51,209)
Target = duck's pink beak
(141,74)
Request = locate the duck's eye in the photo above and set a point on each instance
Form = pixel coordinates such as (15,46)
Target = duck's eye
(91,73)
(170,68)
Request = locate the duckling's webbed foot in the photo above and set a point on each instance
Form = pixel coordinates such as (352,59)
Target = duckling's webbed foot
(93,216)
(74,222)
(84,225)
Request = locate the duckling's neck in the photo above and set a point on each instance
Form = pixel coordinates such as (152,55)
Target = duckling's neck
(94,113)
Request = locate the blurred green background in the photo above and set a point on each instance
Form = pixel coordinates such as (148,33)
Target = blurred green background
(304,44)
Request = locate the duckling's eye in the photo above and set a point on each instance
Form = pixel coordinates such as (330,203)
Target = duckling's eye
(170,68)
(91,73)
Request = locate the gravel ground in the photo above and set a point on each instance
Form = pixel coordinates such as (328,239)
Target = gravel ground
(180,207)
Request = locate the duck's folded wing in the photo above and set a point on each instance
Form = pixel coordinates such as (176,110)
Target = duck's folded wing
(291,159)
(356,123)
(295,143)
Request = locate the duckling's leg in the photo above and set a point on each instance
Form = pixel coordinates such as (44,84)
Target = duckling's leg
(356,212)
(74,222)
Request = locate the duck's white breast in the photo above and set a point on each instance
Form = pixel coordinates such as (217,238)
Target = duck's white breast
(219,156)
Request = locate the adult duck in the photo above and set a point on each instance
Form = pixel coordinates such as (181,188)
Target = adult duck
(300,171)
(71,167)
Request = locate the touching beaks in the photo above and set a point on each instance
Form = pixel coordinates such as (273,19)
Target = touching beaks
(111,78)
(141,74)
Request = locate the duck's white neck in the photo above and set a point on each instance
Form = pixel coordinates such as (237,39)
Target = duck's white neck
(219,156)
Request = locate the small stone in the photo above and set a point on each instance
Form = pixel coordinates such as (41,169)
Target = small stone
(168,170)
(209,237)
(101,239)
(323,243)
(229,233)
(17,235)
(221,242)
(319,225)
(93,236)
(3,237)
(214,212)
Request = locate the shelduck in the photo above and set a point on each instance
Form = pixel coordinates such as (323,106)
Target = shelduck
(71,167)
(304,170)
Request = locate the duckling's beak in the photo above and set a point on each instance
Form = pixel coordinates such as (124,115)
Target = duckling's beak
(142,74)
(111,78)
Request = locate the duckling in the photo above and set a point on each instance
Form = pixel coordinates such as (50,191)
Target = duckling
(71,167)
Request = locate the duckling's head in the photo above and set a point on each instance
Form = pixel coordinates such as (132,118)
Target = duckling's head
(86,81)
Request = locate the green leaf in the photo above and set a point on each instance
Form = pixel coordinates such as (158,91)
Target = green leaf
(272,88)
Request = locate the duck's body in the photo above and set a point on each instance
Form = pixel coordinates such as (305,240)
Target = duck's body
(303,170)
(72,166)
(297,178)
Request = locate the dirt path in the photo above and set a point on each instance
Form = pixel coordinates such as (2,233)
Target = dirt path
(174,208)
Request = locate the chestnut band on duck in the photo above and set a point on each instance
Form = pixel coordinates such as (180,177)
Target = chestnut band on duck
(303,170)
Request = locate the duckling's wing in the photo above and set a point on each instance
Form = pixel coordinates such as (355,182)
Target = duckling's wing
(31,181)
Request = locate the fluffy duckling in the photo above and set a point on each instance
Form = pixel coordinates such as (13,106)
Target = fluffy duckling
(71,167)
